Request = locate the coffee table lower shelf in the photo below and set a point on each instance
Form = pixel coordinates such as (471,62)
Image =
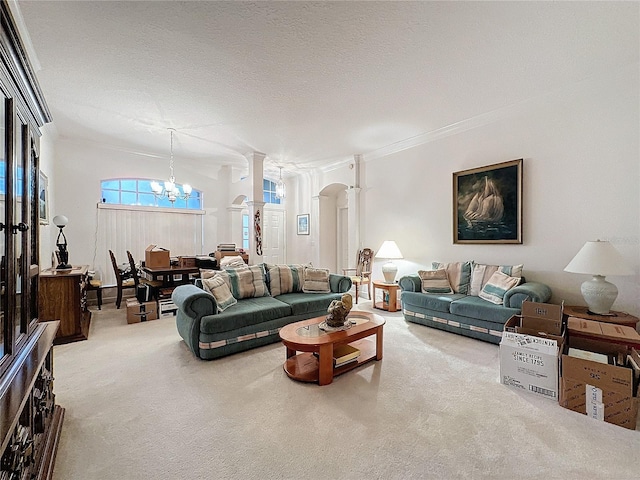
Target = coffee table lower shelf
(304,366)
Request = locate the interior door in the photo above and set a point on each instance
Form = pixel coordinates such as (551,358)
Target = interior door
(273,237)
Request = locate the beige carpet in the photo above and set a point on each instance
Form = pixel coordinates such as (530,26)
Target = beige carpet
(140,406)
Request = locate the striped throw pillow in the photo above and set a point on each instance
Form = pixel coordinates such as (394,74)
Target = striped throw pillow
(316,280)
(497,286)
(217,287)
(285,279)
(482,273)
(245,282)
(459,275)
(435,281)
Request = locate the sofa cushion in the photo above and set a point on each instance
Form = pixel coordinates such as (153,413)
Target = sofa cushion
(434,281)
(249,311)
(476,307)
(316,280)
(232,261)
(302,303)
(481,274)
(246,282)
(430,301)
(497,286)
(217,287)
(285,279)
(459,274)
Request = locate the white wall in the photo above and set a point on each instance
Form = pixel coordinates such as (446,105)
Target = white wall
(48,232)
(581,181)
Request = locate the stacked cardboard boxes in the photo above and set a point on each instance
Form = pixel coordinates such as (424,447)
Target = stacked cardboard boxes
(600,372)
(530,349)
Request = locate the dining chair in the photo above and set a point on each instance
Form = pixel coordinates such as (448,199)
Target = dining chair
(121,283)
(362,272)
(154,285)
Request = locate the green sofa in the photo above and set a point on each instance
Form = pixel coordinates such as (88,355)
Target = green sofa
(467,314)
(250,323)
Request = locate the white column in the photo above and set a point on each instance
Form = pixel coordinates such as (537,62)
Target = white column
(256,206)
(353,238)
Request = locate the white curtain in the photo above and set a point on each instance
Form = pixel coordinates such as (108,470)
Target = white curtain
(120,229)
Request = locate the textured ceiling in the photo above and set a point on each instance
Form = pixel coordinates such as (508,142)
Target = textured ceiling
(307,83)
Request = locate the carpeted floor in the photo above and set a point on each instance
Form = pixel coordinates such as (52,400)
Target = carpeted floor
(139,405)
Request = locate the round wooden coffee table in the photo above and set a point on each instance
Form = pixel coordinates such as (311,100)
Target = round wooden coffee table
(307,337)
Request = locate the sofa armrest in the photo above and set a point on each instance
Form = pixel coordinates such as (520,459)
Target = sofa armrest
(339,283)
(410,283)
(194,302)
(531,291)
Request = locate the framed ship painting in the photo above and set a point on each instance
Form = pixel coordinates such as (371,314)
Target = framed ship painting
(487,204)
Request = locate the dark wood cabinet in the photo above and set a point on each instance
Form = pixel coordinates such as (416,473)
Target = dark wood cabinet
(63,296)
(30,420)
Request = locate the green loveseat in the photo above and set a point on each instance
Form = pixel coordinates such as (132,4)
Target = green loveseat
(250,323)
(464,313)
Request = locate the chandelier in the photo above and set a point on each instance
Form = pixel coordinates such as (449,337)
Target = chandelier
(281,189)
(169,189)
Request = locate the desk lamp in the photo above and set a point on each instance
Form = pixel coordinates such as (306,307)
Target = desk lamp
(61,221)
(599,259)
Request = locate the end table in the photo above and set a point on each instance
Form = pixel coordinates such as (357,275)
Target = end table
(617,318)
(391,289)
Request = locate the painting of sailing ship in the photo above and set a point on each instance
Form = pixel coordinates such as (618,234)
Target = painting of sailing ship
(487,204)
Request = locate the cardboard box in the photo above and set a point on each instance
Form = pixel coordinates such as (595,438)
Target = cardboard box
(602,331)
(542,317)
(167,308)
(141,312)
(187,261)
(601,391)
(156,257)
(530,350)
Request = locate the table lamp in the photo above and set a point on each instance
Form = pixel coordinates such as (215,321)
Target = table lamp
(390,251)
(61,221)
(599,259)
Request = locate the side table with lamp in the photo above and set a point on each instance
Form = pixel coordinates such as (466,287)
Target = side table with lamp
(390,300)
(599,259)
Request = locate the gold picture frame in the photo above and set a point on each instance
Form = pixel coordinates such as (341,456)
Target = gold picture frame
(487,204)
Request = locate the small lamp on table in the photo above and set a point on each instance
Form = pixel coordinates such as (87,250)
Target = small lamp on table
(599,259)
(390,251)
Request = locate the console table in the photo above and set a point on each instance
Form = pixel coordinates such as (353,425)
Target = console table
(62,295)
(618,318)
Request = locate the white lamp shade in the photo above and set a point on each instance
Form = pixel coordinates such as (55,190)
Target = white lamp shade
(389,249)
(598,258)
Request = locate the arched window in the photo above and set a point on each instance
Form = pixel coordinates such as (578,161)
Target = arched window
(138,192)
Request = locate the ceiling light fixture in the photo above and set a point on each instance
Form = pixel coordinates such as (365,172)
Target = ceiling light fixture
(281,189)
(170,189)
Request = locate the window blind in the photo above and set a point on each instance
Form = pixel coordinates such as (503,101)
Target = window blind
(124,228)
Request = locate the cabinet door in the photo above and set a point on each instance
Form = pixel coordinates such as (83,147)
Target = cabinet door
(5,331)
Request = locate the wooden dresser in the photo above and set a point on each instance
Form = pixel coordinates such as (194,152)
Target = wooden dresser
(63,296)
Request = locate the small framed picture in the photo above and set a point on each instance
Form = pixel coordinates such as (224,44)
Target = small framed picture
(303,224)
(43,199)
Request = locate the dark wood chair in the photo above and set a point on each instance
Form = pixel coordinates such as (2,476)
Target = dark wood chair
(121,283)
(138,280)
(361,275)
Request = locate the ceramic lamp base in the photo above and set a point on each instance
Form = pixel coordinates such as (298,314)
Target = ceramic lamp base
(599,294)
(389,271)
